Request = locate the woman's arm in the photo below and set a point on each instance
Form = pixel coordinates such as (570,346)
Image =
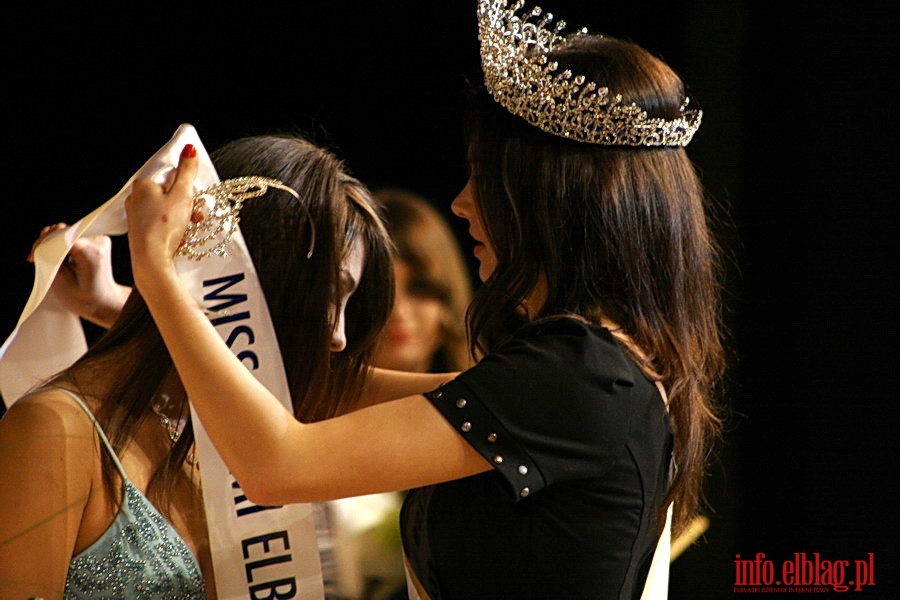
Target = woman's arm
(46,447)
(386,384)
(391,446)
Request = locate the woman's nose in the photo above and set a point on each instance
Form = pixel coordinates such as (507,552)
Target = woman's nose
(402,306)
(338,338)
(338,343)
(463,203)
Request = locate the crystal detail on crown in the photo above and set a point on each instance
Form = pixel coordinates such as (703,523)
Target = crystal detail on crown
(216,215)
(521,78)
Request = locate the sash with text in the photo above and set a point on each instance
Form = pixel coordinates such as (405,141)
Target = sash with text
(258,551)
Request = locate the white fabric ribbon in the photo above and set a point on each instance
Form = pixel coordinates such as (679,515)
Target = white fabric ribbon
(258,552)
(657,584)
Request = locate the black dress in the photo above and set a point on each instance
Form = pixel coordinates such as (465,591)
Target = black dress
(580,443)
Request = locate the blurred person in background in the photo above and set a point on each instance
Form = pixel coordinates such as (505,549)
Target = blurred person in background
(426,332)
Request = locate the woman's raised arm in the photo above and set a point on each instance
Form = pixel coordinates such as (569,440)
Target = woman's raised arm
(387,384)
(390,446)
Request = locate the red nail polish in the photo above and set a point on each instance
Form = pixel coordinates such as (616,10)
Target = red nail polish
(188,151)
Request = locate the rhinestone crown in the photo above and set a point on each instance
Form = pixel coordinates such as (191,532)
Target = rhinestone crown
(521,77)
(217,212)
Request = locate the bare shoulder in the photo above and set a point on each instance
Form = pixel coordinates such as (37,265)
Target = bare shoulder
(48,443)
(49,467)
(47,413)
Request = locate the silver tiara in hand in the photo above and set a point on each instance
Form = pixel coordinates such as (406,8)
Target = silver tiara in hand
(217,212)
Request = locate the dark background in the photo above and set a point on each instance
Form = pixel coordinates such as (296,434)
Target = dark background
(798,146)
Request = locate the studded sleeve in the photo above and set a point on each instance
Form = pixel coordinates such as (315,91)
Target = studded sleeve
(549,406)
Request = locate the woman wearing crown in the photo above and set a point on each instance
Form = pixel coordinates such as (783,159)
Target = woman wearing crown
(554,467)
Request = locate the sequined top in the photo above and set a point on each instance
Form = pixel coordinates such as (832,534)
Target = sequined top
(580,443)
(140,555)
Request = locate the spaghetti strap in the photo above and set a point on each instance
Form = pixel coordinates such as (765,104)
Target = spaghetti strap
(103,438)
(158,562)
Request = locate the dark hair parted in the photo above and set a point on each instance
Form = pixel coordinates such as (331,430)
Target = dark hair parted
(300,290)
(617,234)
(127,368)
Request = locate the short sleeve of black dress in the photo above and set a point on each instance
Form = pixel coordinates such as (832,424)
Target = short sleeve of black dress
(547,407)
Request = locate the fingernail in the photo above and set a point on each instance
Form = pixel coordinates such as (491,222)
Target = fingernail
(188,151)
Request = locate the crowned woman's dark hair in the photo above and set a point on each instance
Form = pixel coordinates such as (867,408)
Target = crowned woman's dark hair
(619,233)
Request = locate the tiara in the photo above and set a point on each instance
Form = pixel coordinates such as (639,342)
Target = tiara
(520,76)
(217,212)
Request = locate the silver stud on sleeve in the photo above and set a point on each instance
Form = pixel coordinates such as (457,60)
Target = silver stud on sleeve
(498,459)
(461,403)
(467,427)
(438,394)
(523,470)
(525,491)
(492,437)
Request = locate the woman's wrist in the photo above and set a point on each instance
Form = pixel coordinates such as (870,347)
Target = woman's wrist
(153,276)
(106,310)
(157,218)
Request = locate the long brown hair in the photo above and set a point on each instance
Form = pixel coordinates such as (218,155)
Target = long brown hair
(619,233)
(128,367)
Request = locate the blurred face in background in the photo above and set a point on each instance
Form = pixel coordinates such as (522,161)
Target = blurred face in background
(414,329)
(426,331)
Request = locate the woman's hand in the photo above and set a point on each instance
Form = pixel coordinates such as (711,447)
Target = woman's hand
(84,283)
(157,219)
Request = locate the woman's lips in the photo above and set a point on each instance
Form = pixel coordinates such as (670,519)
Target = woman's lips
(399,336)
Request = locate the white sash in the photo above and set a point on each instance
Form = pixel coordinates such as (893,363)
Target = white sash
(657,585)
(258,552)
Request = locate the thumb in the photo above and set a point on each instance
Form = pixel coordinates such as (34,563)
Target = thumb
(188,165)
